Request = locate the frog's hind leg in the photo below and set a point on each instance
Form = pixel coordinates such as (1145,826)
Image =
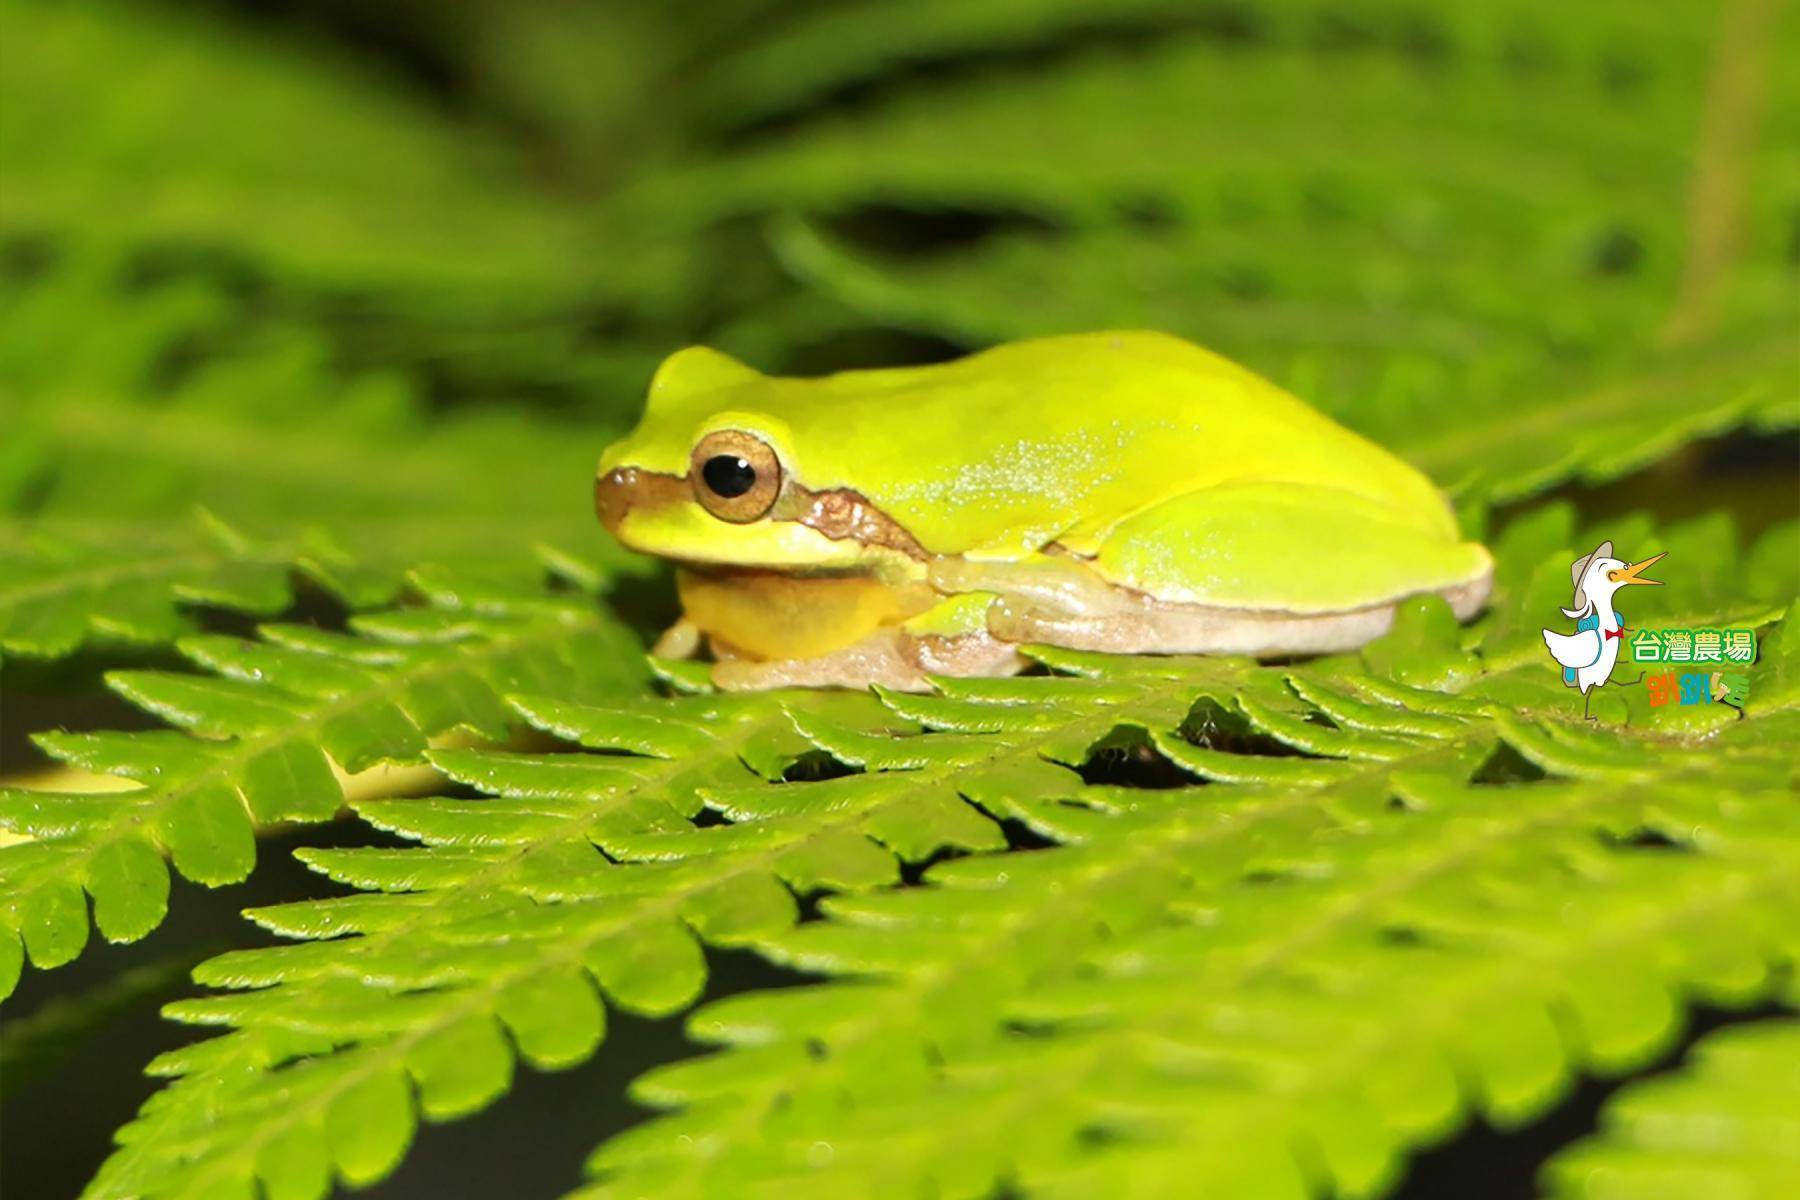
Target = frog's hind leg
(1260,569)
(1146,626)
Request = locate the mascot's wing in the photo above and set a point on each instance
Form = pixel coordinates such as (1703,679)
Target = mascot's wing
(1574,649)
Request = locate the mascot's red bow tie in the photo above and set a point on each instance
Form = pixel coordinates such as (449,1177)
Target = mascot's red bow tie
(1616,633)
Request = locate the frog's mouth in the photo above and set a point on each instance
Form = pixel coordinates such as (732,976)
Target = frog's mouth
(840,514)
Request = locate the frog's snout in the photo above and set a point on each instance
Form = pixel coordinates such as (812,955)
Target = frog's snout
(624,491)
(613,492)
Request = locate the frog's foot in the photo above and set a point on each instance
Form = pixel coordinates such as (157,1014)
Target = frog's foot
(889,657)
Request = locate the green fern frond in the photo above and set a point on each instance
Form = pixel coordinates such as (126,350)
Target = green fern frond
(139,583)
(1422,249)
(1382,372)
(56,593)
(474,487)
(1184,991)
(312,170)
(1726,1124)
(276,432)
(1275,987)
(510,916)
(102,443)
(584,877)
(1605,425)
(274,727)
(869,43)
(528,863)
(1170,967)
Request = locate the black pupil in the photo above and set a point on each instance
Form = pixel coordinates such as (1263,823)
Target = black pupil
(728,475)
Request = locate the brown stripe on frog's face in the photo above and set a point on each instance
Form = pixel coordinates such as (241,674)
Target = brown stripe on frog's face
(840,514)
(624,488)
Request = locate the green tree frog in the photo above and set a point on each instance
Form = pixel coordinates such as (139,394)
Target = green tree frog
(1126,492)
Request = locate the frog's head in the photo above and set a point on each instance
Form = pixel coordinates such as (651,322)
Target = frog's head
(712,475)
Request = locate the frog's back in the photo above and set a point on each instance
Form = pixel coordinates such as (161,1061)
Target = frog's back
(1060,438)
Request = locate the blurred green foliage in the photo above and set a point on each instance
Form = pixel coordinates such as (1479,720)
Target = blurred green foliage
(410,262)
(369,285)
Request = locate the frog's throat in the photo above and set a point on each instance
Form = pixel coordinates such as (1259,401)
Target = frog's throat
(840,514)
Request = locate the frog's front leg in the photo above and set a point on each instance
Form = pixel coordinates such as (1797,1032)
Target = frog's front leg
(1055,600)
(894,657)
(769,631)
(1063,602)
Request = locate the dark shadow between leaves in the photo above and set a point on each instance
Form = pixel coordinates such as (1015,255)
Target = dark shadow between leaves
(1506,766)
(56,1126)
(1485,1163)
(533,1140)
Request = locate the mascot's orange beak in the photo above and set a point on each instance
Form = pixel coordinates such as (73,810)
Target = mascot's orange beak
(1630,574)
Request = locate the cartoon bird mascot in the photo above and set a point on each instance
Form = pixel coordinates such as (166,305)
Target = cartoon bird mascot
(1588,655)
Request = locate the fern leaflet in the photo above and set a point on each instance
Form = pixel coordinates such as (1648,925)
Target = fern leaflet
(56,593)
(1723,1125)
(277,723)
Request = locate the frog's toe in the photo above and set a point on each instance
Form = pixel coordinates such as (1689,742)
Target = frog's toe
(679,641)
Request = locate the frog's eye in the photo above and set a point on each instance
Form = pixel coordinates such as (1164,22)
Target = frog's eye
(736,475)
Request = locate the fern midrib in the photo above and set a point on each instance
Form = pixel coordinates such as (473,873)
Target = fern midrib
(243,749)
